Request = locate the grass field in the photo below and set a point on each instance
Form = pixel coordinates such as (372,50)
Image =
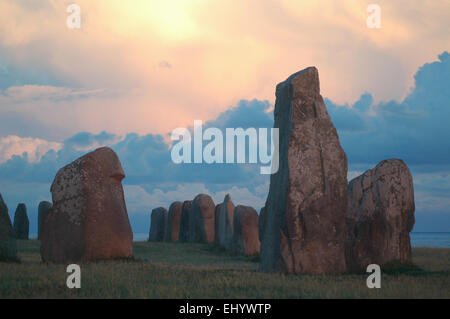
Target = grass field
(172,270)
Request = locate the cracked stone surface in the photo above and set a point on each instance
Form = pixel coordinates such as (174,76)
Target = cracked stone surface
(307,201)
(89,219)
(380,216)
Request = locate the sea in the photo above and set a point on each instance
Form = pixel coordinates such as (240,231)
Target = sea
(418,239)
(437,240)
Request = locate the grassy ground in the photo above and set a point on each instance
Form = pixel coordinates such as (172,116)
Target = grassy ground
(166,270)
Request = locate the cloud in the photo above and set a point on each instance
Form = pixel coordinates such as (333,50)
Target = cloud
(165,64)
(34,147)
(145,158)
(413,129)
(122,45)
(36,93)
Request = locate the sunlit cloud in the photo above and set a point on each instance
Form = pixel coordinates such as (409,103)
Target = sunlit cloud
(180,60)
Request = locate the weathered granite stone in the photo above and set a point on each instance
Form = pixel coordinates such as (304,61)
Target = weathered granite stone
(158,224)
(245,235)
(44,208)
(8,246)
(89,219)
(305,208)
(21,222)
(380,216)
(216,224)
(226,223)
(184,222)
(172,231)
(261,222)
(201,219)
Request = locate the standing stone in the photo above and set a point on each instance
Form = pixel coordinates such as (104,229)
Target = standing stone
(158,224)
(89,219)
(172,231)
(261,222)
(44,208)
(8,246)
(380,216)
(21,222)
(305,208)
(245,235)
(226,223)
(201,219)
(216,224)
(184,222)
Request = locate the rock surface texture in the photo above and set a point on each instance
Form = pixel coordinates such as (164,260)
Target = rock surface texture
(216,224)
(380,216)
(158,224)
(21,222)
(172,230)
(89,219)
(245,235)
(184,222)
(261,222)
(305,209)
(226,223)
(201,219)
(44,208)
(8,246)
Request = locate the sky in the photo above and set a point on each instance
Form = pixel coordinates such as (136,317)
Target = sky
(135,70)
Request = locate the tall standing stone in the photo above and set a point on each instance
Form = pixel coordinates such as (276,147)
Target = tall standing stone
(305,208)
(216,224)
(380,216)
(44,208)
(245,235)
(21,222)
(201,219)
(89,219)
(8,246)
(184,222)
(226,223)
(261,222)
(172,231)
(158,224)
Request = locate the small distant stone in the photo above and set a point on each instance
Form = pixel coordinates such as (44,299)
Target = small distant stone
(21,222)
(201,219)
(184,222)
(226,222)
(245,235)
(172,229)
(158,224)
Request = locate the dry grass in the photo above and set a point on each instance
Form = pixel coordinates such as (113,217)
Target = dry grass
(165,270)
